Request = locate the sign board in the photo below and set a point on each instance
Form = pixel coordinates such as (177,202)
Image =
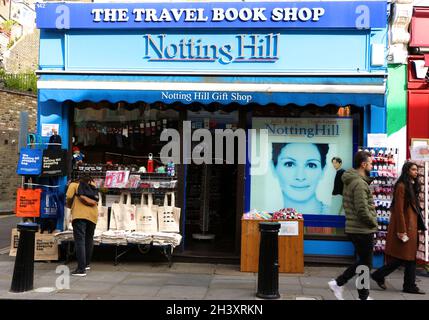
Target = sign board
(47,129)
(377,140)
(54,162)
(208,15)
(30,162)
(289,228)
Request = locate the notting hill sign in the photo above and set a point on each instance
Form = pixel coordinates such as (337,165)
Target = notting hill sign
(248,15)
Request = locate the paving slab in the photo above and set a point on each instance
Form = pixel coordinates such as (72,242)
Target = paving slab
(326,294)
(290,289)
(177,292)
(195,280)
(230,294)
(289,281)
(233,284)
(145,280)
(315,282)
(106,276)
(118,297)
(133,290)
(86,286)
(204,268)
(226,269)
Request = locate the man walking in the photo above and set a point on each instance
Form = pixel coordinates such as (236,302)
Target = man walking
(361,221)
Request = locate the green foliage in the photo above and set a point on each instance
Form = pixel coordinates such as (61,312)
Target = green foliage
(21,82)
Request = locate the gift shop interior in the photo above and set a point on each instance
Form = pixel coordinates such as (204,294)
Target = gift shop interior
(126,137)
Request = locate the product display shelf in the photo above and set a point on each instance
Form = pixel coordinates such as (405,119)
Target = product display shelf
(384,175)
(423,176)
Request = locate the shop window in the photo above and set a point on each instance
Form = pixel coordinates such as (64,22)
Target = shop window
(300,173)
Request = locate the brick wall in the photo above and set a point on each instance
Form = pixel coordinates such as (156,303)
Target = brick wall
(11,103)
(23,56)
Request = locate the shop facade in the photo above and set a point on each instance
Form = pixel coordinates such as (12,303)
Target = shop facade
(312,75)
(418,84)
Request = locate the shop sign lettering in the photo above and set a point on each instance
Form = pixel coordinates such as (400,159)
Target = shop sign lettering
(246,48)
(200,14)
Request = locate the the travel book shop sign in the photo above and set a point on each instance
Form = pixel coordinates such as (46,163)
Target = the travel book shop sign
(320,14)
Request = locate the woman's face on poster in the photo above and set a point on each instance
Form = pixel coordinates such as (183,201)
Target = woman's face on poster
(299,169)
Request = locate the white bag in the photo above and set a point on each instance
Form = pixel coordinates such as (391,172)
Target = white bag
(147,214)
(124,214)
(102,216)
(169,216)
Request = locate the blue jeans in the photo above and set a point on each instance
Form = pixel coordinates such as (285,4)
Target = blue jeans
(83,233)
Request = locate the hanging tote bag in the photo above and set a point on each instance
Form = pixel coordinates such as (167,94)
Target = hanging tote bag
(50,204)
(67,219)
(124,213)
(28,203)
(102,221)
(116,212)
(147,214)
(169,216)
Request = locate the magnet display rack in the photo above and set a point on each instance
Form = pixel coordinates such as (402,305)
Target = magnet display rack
(384,175)
(423,171)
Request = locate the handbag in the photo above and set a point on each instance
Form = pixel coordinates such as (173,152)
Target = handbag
(124,213)
(169,216)
(50,204)
(147,214)
(28,203)
(102,221)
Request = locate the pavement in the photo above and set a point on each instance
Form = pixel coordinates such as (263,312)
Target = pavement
(185,281)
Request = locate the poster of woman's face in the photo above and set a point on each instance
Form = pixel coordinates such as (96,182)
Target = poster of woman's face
(301,175)
(299,168)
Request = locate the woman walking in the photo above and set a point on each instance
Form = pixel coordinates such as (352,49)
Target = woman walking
(402,235)
(81,197)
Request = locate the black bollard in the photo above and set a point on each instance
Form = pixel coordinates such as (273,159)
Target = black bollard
(23,272)
(268,271)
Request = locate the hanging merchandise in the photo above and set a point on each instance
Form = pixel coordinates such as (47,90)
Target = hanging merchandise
(102,221)
(147,214)
(54,163)
(124,213)
(50,204)
(423,238)
(116,179)
(384,174)
(67,225)
(169,216)
(30,162)
(28,202)
(171,171)
(150,163)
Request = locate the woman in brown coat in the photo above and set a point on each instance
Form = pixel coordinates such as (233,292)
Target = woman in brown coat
(402,235)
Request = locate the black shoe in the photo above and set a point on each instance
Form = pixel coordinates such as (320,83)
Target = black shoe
(380,283)
(414,290)
(79,273)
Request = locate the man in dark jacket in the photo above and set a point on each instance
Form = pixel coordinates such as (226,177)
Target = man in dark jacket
(337,192)
(361,221)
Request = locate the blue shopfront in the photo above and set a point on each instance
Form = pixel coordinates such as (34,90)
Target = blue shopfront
(312,74)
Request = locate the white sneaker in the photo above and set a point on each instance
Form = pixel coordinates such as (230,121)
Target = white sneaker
(369,298)
(336,289)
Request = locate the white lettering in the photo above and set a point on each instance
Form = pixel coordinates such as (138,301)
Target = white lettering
(191,15)
(231,14)
(138,14)
(276,14)
(218,14)
(151,15)
(177,14)
(123,15)
(97,14)
(318,12)
(165,16)
(305,14)
(258,14)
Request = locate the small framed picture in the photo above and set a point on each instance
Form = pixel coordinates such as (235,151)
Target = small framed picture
(419,142)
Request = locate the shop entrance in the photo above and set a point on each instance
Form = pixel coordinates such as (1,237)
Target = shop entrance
(211,194)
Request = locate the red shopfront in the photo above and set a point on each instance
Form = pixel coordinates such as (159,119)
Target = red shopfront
(418,86)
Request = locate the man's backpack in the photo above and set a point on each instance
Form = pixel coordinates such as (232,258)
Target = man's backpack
(88,194)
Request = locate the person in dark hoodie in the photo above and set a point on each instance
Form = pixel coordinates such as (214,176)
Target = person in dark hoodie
(361,221)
